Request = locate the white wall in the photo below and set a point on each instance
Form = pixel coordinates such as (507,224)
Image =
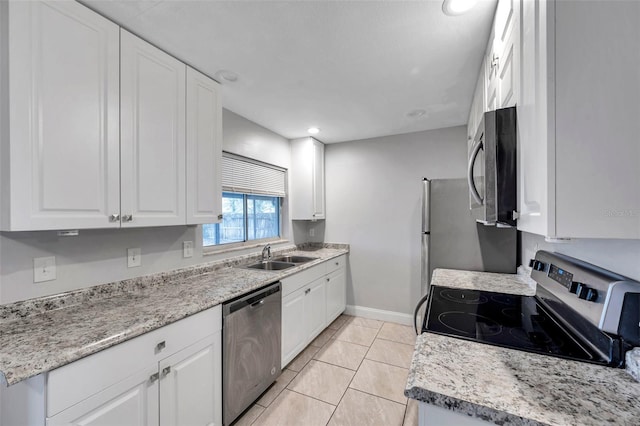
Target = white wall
(374,204)
(99,256)
(621,256)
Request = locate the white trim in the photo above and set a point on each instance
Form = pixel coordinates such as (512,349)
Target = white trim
(379,314)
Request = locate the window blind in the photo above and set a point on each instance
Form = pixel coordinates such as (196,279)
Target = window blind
(248,176)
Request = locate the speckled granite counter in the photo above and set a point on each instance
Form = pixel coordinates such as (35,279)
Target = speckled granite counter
(488,281)
(506,386)
(40,335)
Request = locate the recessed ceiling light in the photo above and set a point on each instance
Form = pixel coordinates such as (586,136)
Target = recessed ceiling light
(313,130)
(457,7)
(226,75)
(416,113)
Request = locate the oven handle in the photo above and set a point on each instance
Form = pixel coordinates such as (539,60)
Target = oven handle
(472,184)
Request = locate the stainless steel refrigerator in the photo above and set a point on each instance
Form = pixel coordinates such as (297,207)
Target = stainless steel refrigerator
(451,237)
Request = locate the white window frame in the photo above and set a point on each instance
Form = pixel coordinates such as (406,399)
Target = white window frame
(243,189)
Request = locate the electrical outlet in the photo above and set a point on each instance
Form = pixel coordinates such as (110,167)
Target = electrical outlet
(134,257)
(187,249)
(44,269)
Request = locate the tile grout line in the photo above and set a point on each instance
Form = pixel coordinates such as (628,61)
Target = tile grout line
(354,376)
(319,348)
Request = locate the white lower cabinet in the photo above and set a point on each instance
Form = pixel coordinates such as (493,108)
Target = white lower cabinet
(182,389)
(171,376)
(431,415)
(294,334)
(189,392)
(336,294)
(303,318)
(311,300)
(133,401)
(316,308)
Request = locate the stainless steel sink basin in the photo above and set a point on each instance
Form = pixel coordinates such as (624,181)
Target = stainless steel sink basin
(271,265)
(294,259)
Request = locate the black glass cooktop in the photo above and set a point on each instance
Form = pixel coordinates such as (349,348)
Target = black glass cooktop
(511,321)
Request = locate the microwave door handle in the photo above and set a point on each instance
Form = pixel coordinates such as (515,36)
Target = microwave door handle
(472,184)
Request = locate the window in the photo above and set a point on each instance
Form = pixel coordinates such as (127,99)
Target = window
(251,200)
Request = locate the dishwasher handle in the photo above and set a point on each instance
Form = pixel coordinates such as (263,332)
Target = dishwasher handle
(257,304)
(252,300)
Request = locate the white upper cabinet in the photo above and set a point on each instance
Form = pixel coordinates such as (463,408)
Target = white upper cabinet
(478,107)
(578,122)
(152,140)
(204,149)
(307,179)
(499,78)
(503,57)
(507,45)
(93,126)
(59,77)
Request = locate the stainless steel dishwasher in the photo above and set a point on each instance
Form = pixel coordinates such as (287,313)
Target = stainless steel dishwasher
(251,357)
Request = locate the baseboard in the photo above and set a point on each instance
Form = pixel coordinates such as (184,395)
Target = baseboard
(379,314)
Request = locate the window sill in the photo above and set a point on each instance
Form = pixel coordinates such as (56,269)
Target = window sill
(230,248)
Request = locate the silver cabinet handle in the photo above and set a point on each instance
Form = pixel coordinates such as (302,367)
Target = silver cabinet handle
(307,291)
(114,218)
(154,377)
(166,371)
(127,218)
(160,346)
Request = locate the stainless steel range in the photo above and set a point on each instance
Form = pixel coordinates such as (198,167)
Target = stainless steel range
(580,312)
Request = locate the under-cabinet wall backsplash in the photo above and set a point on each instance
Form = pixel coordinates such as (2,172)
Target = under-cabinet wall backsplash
(99,256)
(621,256)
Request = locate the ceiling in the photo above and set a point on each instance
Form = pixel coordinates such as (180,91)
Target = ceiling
(355,69)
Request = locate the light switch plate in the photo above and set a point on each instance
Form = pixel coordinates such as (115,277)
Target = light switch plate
(134,257)
(44,269)
(187,249)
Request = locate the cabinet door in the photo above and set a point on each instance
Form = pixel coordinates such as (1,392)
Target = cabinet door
(307,179)
(294,330)
(152,135)
(131,402)
(491,76)
(507,33)
(64,130)
(318,180)
(336,284)
(204,149)
(315,306)
(534,119)
(191,385)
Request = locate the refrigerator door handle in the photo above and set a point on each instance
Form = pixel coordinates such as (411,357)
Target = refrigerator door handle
(426,203)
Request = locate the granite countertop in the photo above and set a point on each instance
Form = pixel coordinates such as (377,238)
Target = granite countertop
(39,335)
(488,281)
(507,386)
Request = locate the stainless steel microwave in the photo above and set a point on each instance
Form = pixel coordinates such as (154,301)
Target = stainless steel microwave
(492,169)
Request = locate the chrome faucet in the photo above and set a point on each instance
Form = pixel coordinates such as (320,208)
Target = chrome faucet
(266,251)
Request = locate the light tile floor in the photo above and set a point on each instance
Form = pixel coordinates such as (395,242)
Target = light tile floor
(353,373)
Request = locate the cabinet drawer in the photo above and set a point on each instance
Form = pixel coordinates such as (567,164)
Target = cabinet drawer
(335,263)
(74,382)
(296,281)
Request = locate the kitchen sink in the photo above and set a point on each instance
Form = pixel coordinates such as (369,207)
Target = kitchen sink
(271,265)
(294,259)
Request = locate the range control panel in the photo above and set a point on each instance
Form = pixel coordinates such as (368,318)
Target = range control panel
(565,278)
(597,294)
